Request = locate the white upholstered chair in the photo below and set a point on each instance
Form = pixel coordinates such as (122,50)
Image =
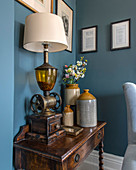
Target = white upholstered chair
(129,162)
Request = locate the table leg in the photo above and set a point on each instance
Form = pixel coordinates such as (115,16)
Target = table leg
(101,156)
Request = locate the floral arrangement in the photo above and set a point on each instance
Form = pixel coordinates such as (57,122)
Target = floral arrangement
(73,73)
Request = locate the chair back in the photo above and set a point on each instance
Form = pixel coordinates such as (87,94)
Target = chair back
(130,97)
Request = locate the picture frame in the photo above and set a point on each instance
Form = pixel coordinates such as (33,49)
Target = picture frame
(89,39)
(38,5)
(66,13)
(120,34)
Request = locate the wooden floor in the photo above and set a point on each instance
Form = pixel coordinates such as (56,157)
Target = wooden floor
(111,162)
(85,166)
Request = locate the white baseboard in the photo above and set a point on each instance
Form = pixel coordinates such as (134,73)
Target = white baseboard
(111,162)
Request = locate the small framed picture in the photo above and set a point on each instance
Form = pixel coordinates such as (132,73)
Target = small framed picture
(66,13)
(89,39)
(38,5)
(120,35)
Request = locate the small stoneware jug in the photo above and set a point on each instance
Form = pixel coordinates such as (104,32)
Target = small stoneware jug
(68,117)
(86,110)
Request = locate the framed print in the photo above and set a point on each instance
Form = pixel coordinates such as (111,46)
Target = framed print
(66,13)
(38,5)
(120,35)
(89,39)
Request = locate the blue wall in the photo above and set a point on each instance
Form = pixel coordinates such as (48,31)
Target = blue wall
(25,62)
(6,83)
(108,70)
(18,82)
(106,73)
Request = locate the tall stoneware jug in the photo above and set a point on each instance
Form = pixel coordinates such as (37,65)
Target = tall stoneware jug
(72,92)
(86,110)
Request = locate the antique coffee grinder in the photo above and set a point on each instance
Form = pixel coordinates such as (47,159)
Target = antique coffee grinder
(46,77)
(44,32)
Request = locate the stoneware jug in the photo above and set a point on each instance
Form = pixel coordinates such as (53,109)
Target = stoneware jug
(68,117)
(86,110)
(72,92)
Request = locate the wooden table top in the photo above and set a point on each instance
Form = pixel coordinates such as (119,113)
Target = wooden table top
(61,148)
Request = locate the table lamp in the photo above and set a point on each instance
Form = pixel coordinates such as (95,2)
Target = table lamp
(44,32)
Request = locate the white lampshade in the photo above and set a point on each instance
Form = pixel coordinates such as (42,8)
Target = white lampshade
(44,28)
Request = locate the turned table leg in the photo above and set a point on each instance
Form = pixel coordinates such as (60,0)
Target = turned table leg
(101,156)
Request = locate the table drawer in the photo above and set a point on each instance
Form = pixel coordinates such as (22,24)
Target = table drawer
(81,153)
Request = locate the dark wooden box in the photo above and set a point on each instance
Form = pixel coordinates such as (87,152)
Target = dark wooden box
(45,128)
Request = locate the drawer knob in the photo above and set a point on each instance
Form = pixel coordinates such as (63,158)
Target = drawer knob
(99,135)
(77,157)
(57,126)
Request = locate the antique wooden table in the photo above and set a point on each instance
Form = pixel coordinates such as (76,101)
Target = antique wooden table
(64,154)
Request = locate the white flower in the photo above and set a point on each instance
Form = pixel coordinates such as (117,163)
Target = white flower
(84,63)
(83,75)
(79,63)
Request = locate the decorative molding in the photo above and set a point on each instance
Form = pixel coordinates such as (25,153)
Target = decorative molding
(111,162)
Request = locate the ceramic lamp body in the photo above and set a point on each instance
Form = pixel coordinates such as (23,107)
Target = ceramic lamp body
(72,92)
(86,110)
